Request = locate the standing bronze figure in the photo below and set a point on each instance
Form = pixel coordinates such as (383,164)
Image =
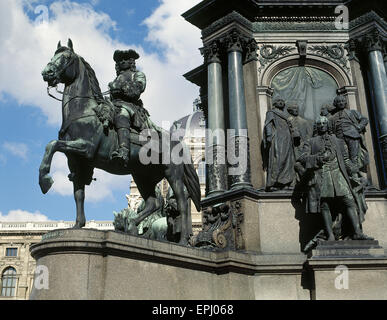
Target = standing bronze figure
(328,167)
(89,142)
(278,151)
(350,125)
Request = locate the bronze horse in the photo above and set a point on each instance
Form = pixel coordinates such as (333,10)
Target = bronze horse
(88,144)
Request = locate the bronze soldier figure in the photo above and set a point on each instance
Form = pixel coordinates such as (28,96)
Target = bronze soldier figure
(125,92)
(326,161)
(349,126)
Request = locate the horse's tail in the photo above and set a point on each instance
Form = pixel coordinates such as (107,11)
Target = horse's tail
(191,181)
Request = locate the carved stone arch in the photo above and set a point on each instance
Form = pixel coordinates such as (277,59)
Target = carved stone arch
(265,91)
(336,71)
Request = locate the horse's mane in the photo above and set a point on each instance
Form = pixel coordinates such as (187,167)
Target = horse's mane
(94,84)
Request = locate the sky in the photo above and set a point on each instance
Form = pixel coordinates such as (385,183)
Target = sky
(29,119)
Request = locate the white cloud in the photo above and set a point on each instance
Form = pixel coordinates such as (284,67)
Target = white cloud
(17,149)
(26,47)
(99,190)
(23,216)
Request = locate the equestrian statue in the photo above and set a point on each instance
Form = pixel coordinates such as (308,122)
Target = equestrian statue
(105,134)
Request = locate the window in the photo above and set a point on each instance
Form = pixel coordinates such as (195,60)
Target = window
(8,282)
(11,252)
(202,172)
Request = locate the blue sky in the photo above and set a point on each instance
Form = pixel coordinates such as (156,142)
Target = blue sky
(29,119)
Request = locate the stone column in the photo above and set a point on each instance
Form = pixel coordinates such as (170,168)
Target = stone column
(215,135)
(373,45)
(238,142)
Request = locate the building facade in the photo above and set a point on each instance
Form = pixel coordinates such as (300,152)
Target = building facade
(17,267)
(193,135)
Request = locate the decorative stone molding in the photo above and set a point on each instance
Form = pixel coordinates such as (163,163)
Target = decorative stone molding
(270,53)
(367,18)
(251,51)
(300,24)
(334,52)
(352,47)
(302,46)
(233,40)
(221,227)
(211,52)
(373,41)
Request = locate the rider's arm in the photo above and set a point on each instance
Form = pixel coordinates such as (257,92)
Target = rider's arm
(133,89)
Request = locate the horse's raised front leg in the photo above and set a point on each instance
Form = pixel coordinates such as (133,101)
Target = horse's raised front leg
(77,147)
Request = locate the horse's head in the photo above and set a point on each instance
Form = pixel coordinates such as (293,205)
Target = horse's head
(61,68)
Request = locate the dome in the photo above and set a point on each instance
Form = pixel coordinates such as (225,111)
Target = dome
(194,125)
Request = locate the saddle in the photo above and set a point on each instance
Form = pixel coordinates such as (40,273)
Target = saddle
(105,112)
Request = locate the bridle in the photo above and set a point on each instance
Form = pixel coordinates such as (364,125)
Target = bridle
(59,74)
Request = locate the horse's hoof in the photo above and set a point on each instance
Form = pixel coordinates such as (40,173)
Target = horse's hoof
(45,183)
(79,225)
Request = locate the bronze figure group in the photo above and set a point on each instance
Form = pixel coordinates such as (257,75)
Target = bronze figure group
(325,159)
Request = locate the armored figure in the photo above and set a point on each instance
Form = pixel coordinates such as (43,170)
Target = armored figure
(277,149)
(125,92)
(349,126)
(325,158)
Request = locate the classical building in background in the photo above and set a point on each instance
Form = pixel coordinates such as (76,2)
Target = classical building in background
(17,267)
(194,127)
(256,54)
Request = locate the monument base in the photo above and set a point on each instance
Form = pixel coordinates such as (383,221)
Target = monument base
(348,270)
(103,265)
(97,265)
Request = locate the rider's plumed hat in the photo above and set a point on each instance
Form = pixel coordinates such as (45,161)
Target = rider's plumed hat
(120,55)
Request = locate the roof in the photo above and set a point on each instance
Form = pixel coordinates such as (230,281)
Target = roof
(208,11)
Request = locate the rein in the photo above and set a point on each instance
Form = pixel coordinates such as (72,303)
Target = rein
(66,125)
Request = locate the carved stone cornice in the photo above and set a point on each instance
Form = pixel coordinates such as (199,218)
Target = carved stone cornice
(296,23)
(367,18)
(223,22)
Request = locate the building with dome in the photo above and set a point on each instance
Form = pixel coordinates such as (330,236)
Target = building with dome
(193,126)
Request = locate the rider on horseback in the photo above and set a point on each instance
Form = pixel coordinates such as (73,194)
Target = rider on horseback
(125,93)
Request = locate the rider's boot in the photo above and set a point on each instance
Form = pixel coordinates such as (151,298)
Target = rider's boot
(123,153)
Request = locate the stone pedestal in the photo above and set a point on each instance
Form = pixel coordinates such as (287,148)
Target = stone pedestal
(349,270)
(102,265)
